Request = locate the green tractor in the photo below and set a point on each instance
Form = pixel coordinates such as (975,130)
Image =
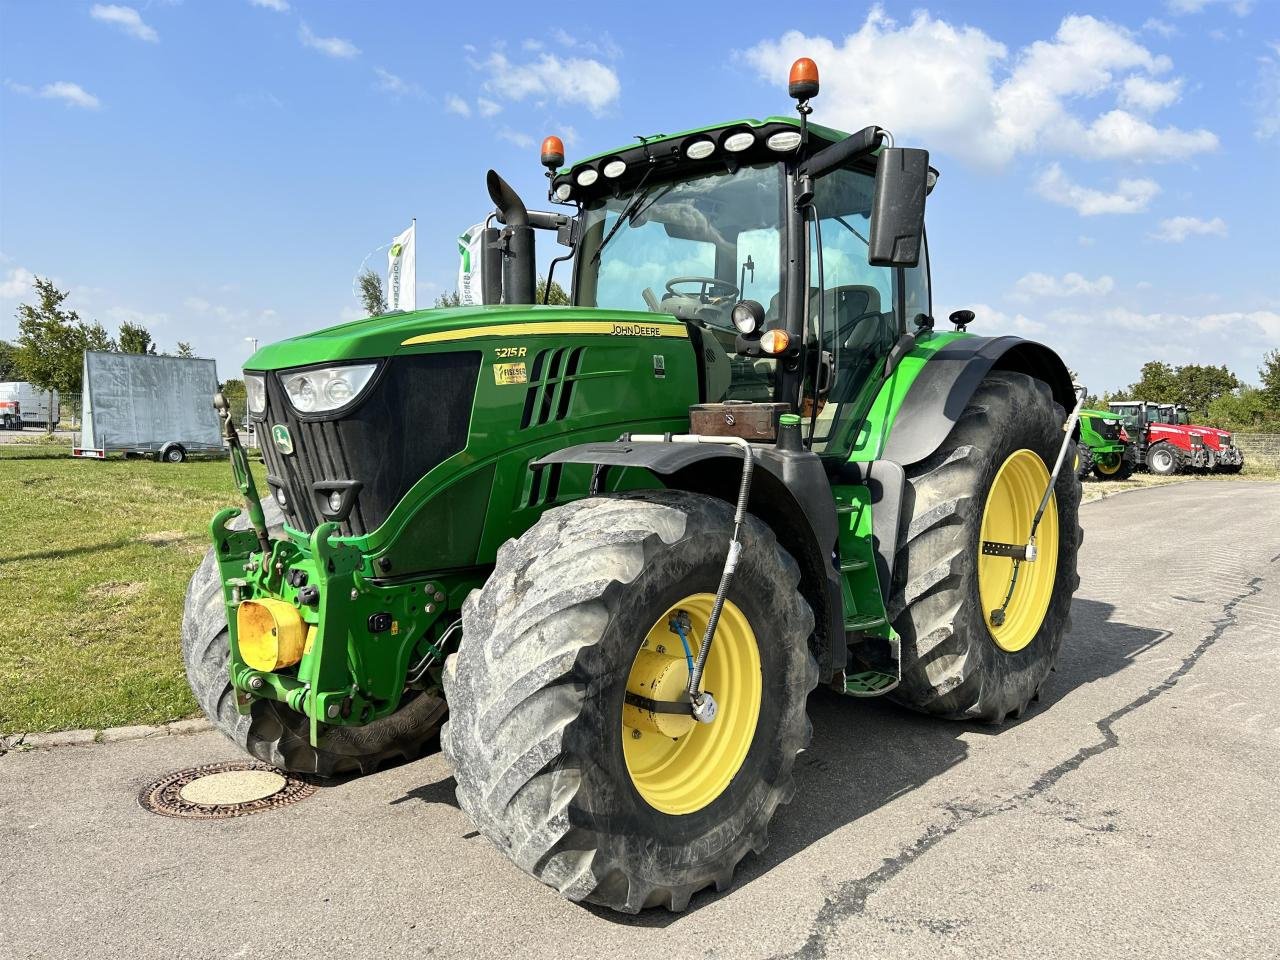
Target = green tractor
(620,542)
(1103,446)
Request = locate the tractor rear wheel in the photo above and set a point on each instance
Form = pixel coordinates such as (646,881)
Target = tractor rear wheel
(1163,459)
(559,760)
(272,732)
(984,484)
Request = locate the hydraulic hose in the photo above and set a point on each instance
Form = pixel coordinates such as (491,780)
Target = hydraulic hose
(735,543)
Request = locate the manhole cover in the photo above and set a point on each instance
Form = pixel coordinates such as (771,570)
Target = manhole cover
(215,791)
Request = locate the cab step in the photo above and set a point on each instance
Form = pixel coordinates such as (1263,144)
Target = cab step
(849,566)
(857,624)
(869,683)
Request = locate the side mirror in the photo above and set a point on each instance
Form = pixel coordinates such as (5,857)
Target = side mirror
(897,210)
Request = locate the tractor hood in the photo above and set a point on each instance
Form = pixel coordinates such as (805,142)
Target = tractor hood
(378,337)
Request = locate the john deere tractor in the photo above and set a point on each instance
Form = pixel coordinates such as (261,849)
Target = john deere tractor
(1104,447)
(620,542)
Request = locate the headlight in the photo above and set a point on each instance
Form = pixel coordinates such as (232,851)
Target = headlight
(321,391)
(255,392)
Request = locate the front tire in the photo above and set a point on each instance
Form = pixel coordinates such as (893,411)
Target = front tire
(272,732)
(541,738)
(1116,467)
(955,663)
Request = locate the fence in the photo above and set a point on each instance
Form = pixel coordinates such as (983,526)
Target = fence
(1261,449)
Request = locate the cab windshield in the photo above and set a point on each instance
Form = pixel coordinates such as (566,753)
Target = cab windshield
(692,248)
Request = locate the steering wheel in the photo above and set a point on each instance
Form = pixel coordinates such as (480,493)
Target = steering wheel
(706,290)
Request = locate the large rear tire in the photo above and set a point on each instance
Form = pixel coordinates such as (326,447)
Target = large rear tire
(551,765)
(1164,459)
(272,732)
(992,467)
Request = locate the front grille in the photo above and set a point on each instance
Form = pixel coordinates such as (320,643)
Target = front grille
(414,417)
(1107,429)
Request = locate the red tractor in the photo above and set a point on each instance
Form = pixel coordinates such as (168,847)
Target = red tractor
(1162,448)
(1224,455)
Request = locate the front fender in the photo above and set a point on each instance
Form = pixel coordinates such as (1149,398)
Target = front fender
(789,492)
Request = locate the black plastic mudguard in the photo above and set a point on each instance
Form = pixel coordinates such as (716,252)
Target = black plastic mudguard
(941,391)
(789,492)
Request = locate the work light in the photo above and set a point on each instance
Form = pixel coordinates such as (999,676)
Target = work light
(255,392)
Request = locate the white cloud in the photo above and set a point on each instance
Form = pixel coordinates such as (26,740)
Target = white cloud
(329,46)
(959,90)
(1177,229)
(1181,8)
(487,108)
(584,81)
(1155,25)
(126,18)
(1119,135)
(522,140)
(1085,241)
(388,82)
(279,6)
(455,104)
(69,93)
(1035,285)
(993,321)
(1143,93)
(16,283)
(1129,196)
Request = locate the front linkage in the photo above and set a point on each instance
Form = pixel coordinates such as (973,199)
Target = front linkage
(310,625)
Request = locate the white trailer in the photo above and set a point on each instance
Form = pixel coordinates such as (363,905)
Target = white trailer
(37,411)
(139,404)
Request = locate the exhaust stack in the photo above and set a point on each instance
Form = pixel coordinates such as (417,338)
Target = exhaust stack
(519,280)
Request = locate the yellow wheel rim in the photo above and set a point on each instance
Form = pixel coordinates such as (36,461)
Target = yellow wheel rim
(677,764)
(1006,518)
(1106,467)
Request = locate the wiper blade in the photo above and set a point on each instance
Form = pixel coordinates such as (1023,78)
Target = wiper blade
(627,213)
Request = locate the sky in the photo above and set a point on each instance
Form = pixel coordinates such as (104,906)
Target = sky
(219,169)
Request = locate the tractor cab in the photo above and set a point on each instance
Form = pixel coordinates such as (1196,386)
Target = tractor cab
(709,227)
(1174,413)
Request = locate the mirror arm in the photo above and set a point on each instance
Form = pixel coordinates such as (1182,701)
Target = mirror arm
(863,143)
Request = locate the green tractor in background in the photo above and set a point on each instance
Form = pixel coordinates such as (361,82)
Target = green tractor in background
(624,540)
(1103,446)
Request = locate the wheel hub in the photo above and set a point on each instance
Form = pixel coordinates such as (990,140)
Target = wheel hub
(680,762)
(1022,592)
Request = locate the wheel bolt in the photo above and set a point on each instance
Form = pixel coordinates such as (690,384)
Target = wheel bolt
(635,734)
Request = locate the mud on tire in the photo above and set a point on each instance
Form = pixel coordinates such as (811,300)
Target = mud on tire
(536,691)
(951,667)
(272,732)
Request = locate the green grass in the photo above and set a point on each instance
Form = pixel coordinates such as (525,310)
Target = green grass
(94,562)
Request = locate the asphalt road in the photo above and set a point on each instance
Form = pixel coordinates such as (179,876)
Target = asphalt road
(1132,813)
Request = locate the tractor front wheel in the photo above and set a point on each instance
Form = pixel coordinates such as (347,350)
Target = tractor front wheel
(960,658)
(563,756)
(272,732)
(1112,466)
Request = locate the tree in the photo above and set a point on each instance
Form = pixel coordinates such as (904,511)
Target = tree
(1270,374)
(134,338)
(233,390)
(1198,385)
(451,299)
(1159,382)
(52,341)
(1246,410)
(371,295)
(184,349)
(557,297)
(9,361)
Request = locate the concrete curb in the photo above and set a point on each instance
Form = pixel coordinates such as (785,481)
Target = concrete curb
(78,738)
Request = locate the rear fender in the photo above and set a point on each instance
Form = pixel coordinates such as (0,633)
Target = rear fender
(941,390)
(789,492)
